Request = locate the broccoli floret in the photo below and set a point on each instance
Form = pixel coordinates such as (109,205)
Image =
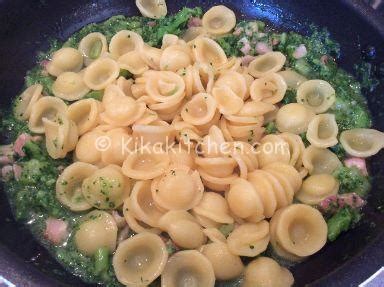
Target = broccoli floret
(38,76)
(289,97)
(32,150)
(339,151)
(342,221)
(352,180)
(230,45)
(271,128)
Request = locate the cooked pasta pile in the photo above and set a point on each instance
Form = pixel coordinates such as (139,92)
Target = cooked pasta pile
(151,150)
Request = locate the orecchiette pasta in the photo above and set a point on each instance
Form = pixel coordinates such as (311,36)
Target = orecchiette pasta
(318,95)
(199,110)
(316,188)
(178,188)
(61,136)
(26,101)
(98,229)
(193,32)
(249,239)
(101,73)
(45,107)
(125,41)
(219,20)
(319,160)
(68,185)
(227,101)
(140,259)
(271,62)
(206,50)
(294,118)
(322,131)
(141,204)
(93,46)
(151,8)
(362,142)
(132,62)
(85,114)
(270,88)
(292,79)
(183,229)
(266,272)
(175,57)
(298,231)
(226,265)
(106,188)
(188,266)
(65,60)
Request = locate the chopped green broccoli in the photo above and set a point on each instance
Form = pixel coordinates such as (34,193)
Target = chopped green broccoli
(32,150)
(38,76)
(230,44)
(289,97)
(271,128)
(342,221)
(352,180)
(339,151)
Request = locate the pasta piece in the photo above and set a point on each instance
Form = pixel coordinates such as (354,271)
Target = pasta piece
(164,87)
(296,148)
(120,110)
(323,130)
(65,60)
(183,229)
(213,143)
(85,114)
(273,148)
(125,41)
(136,225)
(179,188)
(270,62)
(187,134)
(292,79)
(199,110)
(270,89)
(294,118)
(288,171)
(243,200)
(317,95)
(219,20)
(240,130)
(215,235)
(45,107)
(169,40)
(151,56)
(93,46)
(249,239)
(140,259)
(144,164)
(182,156)
(70,86)
(362,142)
(206,50)
(318,160)
(266,272)
(203,78)
(148,117)
(160,133)
(132,62)
(188,266)
(26,101)
(226,265)
(61,136)
(193,32)
(154,9)
(175,57)
(88,148)
(125,86)
(214,207)
(98,229)
(298,231)
(142,205)
(217,166)
(106,188)
(235,81)
(68,186)
(216,183)
(101,73)
(316,188)
(227,101)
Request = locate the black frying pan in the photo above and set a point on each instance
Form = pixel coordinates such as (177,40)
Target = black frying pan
(26,26)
